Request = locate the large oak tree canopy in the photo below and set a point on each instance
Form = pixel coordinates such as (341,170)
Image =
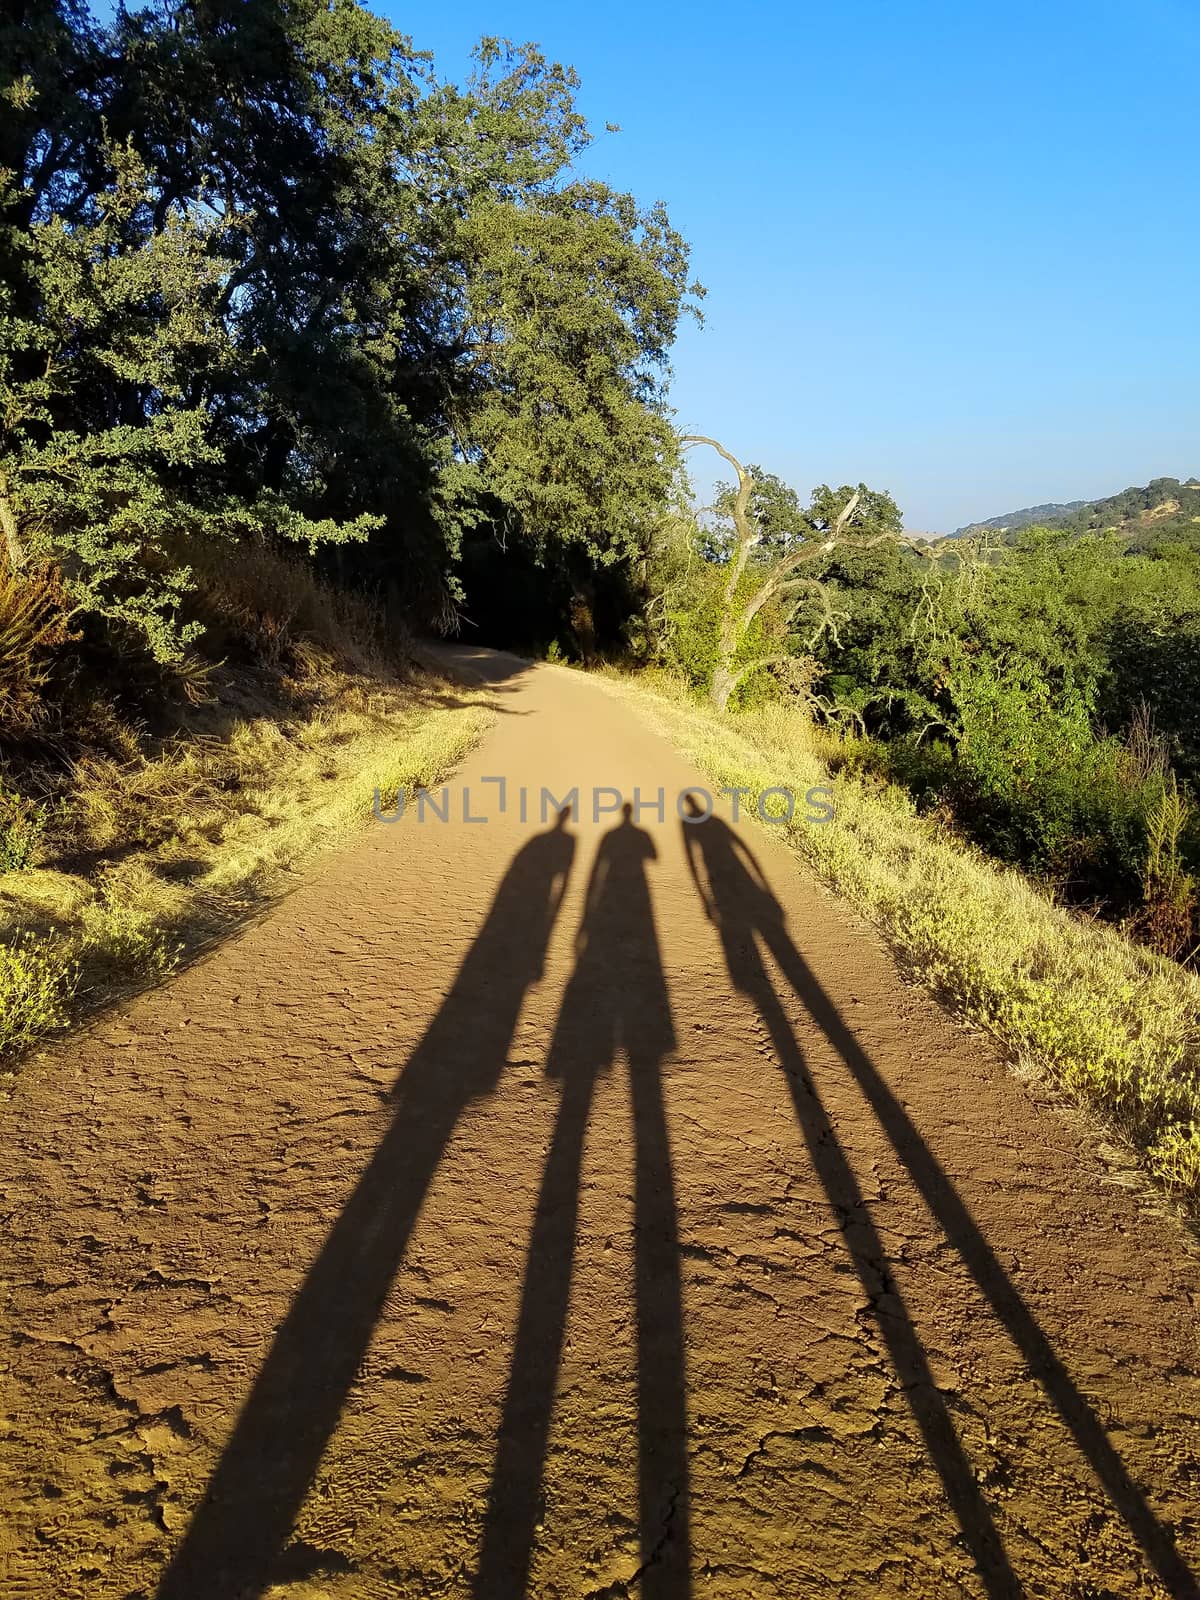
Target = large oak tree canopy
(265,272)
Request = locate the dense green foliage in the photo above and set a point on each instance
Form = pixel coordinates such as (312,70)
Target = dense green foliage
(1044,693)
(266,276)
(1023,704)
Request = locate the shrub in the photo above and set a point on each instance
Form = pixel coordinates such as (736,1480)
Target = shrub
(36,983)
(1032,782)
(1167,915)
(22,828)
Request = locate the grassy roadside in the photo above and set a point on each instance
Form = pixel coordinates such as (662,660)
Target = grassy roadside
(183,843)
(1114,1025)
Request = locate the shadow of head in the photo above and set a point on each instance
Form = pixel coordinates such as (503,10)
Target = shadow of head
(727,872)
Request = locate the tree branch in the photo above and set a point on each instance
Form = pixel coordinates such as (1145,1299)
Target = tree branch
(788,564)
(747,535)
(753,666)
(736,621)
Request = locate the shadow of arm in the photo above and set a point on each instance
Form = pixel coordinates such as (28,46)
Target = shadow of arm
(591,899)
(693,850)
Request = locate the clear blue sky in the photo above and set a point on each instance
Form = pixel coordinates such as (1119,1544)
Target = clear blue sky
(950,249)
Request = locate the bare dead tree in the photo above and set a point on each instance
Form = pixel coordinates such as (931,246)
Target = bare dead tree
(783,580)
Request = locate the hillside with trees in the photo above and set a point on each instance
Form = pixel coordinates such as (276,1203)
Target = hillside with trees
(1166,510)
(1029,516)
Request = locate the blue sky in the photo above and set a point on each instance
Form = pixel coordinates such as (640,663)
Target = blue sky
(950,249)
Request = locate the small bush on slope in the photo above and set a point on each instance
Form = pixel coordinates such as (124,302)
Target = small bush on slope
(36,984)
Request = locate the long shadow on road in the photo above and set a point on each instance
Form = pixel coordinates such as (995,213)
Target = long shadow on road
(235,1540)
(616,1001)
(749,920)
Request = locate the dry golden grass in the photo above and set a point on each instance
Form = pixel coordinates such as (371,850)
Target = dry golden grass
(159,847)
(1114,1025)
(158,856)
(273,605)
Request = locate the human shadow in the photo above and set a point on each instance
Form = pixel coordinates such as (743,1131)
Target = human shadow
(616,1000)
(236,1538)
(749,919)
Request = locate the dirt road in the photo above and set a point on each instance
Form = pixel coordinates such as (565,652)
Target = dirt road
(576,1209)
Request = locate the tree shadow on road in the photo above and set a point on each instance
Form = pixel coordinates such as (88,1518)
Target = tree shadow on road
(236,1538)
(749,918)
(616,1001)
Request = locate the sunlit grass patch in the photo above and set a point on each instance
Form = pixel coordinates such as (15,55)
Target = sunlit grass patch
(161,855)
(37,980)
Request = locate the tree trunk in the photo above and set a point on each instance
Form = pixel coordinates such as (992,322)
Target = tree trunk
(724,678)
(13,547)
(583,621)
(735,618)
(722,686)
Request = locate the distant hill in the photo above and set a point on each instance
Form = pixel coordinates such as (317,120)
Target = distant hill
(1165,511)
(1012,520)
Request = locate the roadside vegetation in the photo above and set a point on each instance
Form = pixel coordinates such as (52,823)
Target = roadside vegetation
(1114,1025)
(1039,696)
(1010,727)
(306,351)
(154,817)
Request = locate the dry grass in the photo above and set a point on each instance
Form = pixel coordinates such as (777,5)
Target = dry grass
(271,606)
(184,846)
(157,846)
(1114,1025)
(32,625)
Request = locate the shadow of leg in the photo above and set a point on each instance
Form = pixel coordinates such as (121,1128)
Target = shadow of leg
(615,1000)
(948,1209)
(663,1512)
(236,1535)
(233,1545)
(515,1499)
(890,1311)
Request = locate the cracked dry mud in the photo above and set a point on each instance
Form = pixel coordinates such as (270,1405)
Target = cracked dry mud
(435,1238)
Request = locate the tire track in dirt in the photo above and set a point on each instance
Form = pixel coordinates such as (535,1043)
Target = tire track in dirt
(490,1219)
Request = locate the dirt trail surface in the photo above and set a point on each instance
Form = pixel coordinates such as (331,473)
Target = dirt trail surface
(579,1210)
